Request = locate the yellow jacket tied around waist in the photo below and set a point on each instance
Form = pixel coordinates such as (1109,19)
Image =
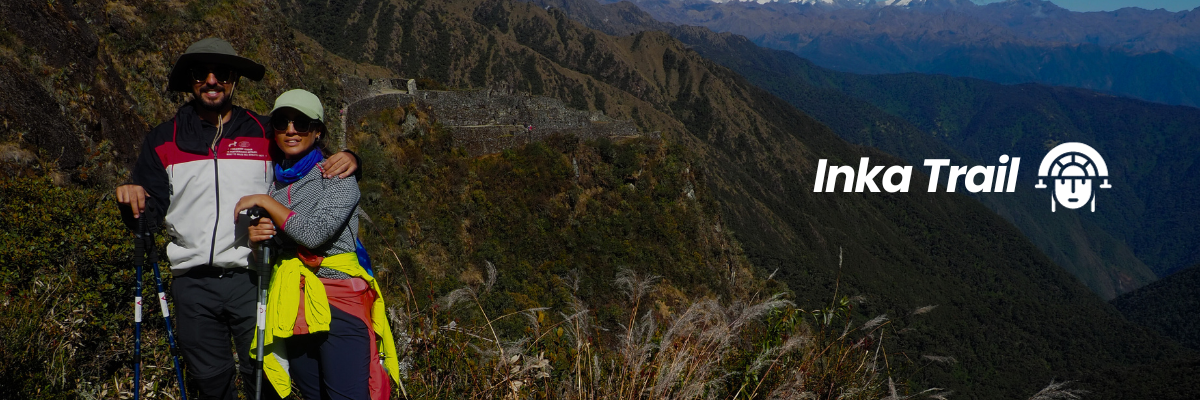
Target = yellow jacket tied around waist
(283,304)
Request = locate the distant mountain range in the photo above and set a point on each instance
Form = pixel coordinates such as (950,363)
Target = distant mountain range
(836,4)
(1150,55)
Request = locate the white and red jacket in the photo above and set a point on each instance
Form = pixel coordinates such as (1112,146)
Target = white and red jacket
(199,185)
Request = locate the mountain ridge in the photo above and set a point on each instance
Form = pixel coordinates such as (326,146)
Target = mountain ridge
(1002,42)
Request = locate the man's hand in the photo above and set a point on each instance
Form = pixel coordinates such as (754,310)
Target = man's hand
(342,164)
(263,230)
(133,196)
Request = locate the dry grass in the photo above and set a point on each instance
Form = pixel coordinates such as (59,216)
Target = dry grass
(742,348)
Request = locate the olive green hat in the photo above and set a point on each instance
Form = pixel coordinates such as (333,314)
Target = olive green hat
(303,101)
(210,51)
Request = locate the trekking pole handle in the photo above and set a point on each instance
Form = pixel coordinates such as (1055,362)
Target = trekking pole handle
(255,214)
(148,244)
(139,242)
(139,251)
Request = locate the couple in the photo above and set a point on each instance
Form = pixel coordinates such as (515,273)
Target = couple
(198,171)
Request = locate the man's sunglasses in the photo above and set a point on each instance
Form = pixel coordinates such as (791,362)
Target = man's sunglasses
(224,75)
(301,123)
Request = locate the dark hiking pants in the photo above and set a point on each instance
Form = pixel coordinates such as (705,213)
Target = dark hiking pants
(333,365)
(214,307)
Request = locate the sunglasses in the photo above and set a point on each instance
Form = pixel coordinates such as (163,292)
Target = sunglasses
(224,75)
(302,124)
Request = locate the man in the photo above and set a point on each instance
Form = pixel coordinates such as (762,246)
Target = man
(191,171)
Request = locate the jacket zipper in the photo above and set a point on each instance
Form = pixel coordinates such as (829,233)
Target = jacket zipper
(212,245)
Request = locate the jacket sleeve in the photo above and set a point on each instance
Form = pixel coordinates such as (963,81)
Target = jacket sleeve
(150,174)
(312,226)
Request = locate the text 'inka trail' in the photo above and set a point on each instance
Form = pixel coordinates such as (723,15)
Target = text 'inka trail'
(975,179)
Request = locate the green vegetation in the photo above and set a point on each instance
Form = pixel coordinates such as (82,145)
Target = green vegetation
(547,213)
(1170,306)
(513,275)
(67,298)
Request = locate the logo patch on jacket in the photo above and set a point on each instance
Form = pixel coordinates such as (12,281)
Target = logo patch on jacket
(244,148)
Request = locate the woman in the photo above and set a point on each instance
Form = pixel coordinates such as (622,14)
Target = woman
(325,312)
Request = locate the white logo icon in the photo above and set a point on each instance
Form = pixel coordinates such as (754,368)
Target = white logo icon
(1072,166)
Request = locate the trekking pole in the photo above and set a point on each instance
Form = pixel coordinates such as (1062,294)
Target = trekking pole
(162,303)
(139,252)
(264,266)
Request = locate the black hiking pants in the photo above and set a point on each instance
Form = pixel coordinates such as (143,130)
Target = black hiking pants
(213,308)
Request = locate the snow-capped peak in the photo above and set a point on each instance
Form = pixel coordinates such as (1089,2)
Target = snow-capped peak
(848,3)
(825,2)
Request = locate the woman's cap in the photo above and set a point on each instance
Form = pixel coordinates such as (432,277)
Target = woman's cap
(210,51)
(303,101)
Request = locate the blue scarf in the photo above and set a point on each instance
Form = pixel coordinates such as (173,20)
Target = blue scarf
(299,169)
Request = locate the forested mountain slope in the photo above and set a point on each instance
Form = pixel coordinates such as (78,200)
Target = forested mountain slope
(1106,265)
(1150,146)
(1170,306)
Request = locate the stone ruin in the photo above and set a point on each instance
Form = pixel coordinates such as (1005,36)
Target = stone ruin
(483,121)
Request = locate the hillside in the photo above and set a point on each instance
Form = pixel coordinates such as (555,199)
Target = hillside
(1170,306)
(1151,147)
(1098,257)
(1092,248)
(980,119)
(1006,42)
(1106,265)
(757,154)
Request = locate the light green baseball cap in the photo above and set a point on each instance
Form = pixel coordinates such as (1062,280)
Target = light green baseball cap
(303,101)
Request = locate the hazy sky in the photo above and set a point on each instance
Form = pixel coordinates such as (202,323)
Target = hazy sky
(1109,5)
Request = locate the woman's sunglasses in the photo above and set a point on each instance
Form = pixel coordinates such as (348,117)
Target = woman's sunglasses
(302,124)
(224,75)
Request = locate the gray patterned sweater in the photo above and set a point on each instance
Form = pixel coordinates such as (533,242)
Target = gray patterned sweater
(323,217)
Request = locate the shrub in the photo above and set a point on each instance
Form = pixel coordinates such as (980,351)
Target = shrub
(66,279)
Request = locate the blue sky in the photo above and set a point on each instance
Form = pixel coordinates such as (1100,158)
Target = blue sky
(1109,5)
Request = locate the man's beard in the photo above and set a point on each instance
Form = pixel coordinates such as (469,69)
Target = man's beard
(214,106)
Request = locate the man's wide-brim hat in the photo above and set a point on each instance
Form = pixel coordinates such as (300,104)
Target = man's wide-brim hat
(210,51)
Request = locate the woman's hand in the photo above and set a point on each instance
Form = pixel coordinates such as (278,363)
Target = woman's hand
(277,214)
(263,230)
(248,202)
